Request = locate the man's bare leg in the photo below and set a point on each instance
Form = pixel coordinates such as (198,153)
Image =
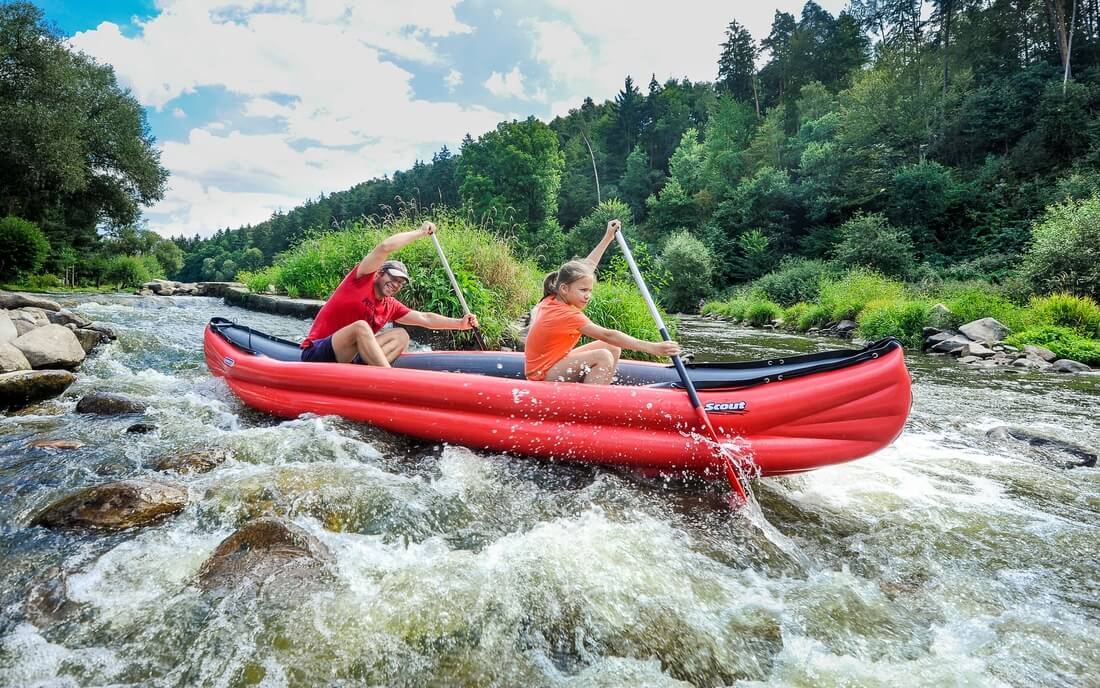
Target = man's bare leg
(393,341)
(357,338)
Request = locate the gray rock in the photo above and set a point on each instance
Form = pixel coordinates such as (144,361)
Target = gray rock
(200,461)
(846,326)
(141,428)
(969,359)
(927,332)
(976,349)
(48,600)
(12,359)
(298,308)
(1041,352)
(67,317)
(35,316)
(262,549)
(952,345)
(1029,362)
(986,330)
(946,335)
(115,506)
(107,331)
(52,346)
(13,299)
(25,387)
(7,328)
(1083,456)
(109,404)
(88,338)
(1066,365)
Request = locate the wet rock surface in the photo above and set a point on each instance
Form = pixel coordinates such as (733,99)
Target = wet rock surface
(1079,456)
(262,549)
(21,388)
(115,506)
(109,404)
(201,461)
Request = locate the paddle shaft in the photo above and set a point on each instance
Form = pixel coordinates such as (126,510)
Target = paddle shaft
(458,292)
(704,419)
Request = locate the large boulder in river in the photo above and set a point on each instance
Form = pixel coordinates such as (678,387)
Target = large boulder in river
(264,548)
(11,299)
(987,331)
(67,317)
(52,346)
(88,338)
(1065,365)
(115,506)
(12,359)
(25,387)
(7,328)
(1040,352)
(109,404)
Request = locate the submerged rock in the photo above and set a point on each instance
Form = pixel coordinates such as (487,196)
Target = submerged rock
(115,506)
(1083,456)
(262,549)
(20,388)
(192,462)
(141,428)
(56,444)
(48,600)
(109,404)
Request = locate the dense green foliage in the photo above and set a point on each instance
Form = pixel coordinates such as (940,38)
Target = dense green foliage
(23,248)
(1065,254)
(689,265)
(75,150)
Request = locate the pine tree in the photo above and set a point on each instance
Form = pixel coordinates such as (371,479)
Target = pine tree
(737,64)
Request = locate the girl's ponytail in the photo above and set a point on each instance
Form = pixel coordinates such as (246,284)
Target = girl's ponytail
(550,285)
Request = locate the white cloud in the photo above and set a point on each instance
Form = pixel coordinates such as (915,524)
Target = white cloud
(346,113)
(592,49)
(453,79)
(178,113)
(510,84)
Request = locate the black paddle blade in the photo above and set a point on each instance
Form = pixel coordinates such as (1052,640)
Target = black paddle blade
(479,339)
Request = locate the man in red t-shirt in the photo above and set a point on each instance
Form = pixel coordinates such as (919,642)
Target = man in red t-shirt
(347,328)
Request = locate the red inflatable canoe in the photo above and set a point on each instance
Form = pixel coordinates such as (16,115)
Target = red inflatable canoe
(781,416)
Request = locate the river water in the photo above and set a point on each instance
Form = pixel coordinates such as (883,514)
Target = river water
(947,559)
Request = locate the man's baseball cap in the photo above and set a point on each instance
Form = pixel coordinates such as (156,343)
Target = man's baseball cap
(395,268)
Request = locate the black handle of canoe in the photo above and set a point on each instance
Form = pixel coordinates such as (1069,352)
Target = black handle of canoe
(731,471)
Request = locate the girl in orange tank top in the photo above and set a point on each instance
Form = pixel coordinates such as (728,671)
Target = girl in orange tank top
(558,323)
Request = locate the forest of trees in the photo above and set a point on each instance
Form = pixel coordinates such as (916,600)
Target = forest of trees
(944,128)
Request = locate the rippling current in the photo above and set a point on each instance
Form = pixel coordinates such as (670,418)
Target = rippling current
(948,559)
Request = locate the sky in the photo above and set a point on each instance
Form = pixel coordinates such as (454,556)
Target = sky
(258,105)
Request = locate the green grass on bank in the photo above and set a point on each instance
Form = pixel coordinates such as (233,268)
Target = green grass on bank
(498,286)
(881,306)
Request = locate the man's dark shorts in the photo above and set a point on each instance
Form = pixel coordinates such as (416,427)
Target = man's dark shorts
(320,351)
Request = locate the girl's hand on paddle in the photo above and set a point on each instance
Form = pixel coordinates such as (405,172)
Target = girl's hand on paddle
(665,349)
(427,229)
(613,227)
(469,321)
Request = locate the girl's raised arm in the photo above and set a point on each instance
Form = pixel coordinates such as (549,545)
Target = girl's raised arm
(608,237)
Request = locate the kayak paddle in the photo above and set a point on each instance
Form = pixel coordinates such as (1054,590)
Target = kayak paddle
(731,470)
(458,292)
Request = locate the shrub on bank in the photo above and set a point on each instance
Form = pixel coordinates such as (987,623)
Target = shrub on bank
(1079,313)
(975,300)
(23,248)
(1063,341)
(1065,250)
(618,305)
(902,319)
(795,280)
(844,297)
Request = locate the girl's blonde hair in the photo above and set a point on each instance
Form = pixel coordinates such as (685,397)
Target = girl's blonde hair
(567,274)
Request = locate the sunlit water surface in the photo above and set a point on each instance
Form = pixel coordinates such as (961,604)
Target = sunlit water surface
(947,559)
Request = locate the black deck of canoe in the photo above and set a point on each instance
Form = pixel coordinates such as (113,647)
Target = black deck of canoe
(508,364)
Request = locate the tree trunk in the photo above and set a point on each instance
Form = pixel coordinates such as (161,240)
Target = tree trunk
(945,8)
(1056,10)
